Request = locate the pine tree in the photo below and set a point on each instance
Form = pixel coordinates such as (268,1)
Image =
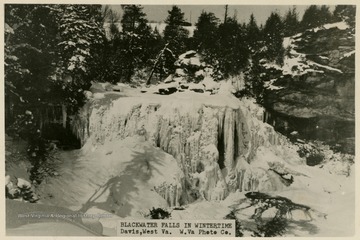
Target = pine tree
(205,34)
(291,22)
(253,81)
(310,17)
(134,19)
(50,43)
(325,16)
(233,51)
(273,38)
(315,16)
(31,39)
(81,35)
(30,43)
(49,57)
(137,40)
(253,34)
(175,34)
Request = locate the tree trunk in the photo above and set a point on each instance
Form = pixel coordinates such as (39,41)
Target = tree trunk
(156,63)
(226,13)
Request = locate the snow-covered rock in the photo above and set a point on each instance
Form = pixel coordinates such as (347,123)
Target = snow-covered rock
(180,72)
(200,74)
(191,74)
(196,87)
(98,95)
(169,79)
(299,215)
(22,183)
(117,88)
(210,84)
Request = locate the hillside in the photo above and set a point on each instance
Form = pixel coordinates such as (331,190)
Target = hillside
(316,84)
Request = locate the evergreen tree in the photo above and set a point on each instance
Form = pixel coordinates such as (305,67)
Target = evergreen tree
(345,13)
(30,52)
(48,54)
(162,57)
(49,51)
(137,40)
(253,72)
(158,43)
(233,51)
(254,82)
(325,16)
(315,16)
(134,19)
(291,22)
(81,35)
(205,34)
(310,17)
(273,38)
(175,34)
(108,68)
(131,51)
(253,34)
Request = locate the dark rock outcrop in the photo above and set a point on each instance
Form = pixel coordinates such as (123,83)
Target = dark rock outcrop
(317,82)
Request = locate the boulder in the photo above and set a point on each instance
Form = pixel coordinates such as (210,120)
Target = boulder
(22,183)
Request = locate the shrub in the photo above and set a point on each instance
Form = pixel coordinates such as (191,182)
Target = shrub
(313,155)
(159,213)
(314,158)
(238,226)
(274,227)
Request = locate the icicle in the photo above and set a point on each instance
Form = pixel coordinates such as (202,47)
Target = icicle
(221,116)
(229,139)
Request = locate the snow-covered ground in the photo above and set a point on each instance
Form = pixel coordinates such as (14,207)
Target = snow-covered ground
(296,63)
(114,177)
(125,174)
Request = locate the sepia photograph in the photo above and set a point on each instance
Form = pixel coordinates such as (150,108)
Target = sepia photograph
(172,120)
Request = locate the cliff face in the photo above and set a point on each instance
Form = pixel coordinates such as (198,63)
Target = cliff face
(317,80)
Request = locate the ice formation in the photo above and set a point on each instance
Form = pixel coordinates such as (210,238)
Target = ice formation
(214,139)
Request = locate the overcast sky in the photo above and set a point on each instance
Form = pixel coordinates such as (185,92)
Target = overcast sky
(192,12)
